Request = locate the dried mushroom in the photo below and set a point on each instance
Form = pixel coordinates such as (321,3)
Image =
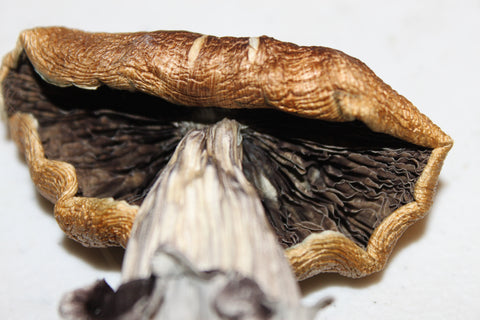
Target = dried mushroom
(341,162)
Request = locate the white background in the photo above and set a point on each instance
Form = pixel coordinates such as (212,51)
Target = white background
(426,50)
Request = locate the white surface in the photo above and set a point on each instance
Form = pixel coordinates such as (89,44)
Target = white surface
(426,50)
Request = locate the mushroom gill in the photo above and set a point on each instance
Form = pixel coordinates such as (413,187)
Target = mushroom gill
(312,175)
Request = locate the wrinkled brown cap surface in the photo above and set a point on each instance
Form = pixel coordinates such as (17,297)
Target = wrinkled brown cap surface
(342,162)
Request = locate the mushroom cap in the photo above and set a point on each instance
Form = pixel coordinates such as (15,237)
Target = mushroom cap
(292,101)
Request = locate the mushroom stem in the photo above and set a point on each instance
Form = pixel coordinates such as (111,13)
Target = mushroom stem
(203,206)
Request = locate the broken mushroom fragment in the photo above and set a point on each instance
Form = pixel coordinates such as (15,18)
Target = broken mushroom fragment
(342,163)
(177,290)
